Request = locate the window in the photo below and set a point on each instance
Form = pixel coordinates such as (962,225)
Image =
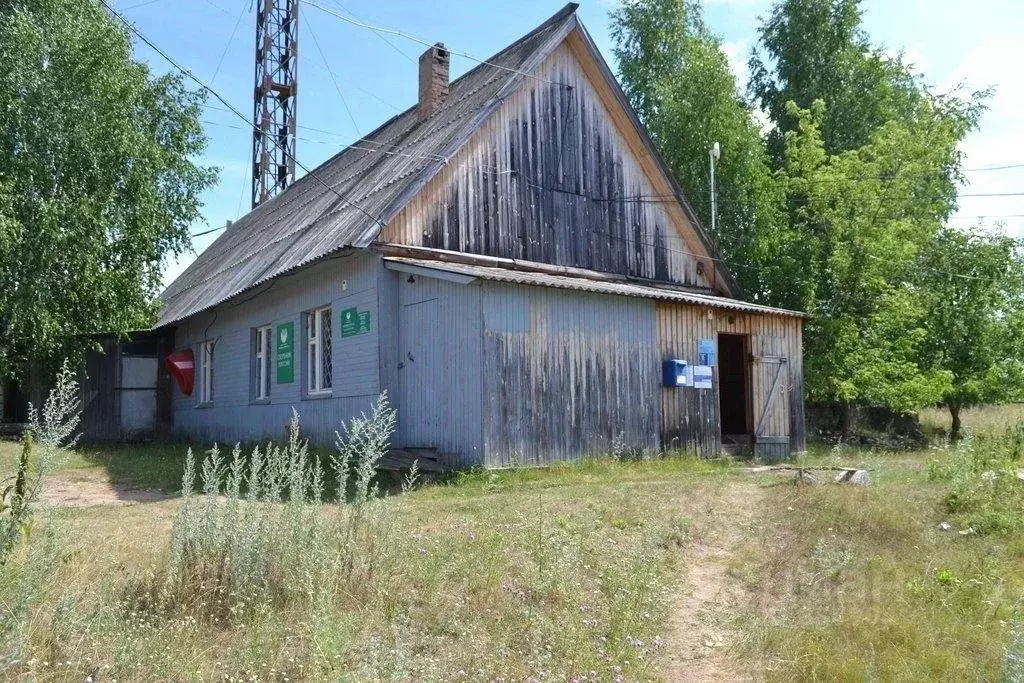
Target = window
(318,351)
(205,394)
(261,360)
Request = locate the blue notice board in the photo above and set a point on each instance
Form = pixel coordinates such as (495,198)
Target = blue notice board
(707,352)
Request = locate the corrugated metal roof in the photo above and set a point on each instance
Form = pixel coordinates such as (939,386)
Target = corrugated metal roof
(585,285)
(378,174)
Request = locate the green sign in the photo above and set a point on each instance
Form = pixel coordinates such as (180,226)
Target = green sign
(286,353)
(354,321)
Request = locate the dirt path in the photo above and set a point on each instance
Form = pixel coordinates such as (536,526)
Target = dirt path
(83,488)
(701,640)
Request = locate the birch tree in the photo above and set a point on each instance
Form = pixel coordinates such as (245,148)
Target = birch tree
(98,179)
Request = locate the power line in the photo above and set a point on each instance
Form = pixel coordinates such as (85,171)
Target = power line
(209,232)
(640,199)
(211,4)
(414,39)
(634,199)
(994,168)
(651,198)
(377,33)
(227,104)
(327,66)
(140,4)
(227,45)
(994,216)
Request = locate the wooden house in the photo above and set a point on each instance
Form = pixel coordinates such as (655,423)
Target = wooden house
(511,261)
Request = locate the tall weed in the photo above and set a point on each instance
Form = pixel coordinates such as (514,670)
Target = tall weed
(28,568)
(1013,654)
(985,492)
(260,534)
(48,432)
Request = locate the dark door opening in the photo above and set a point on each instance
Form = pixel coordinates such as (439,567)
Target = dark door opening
(733,397)
(13,403)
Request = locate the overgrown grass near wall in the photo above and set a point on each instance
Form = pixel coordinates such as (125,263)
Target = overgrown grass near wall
(517,574)
(569,572)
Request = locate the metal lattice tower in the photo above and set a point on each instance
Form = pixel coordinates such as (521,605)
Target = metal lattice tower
(273,141)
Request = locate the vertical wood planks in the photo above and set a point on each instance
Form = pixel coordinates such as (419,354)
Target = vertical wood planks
(690,419)
(567,374)
(550,178)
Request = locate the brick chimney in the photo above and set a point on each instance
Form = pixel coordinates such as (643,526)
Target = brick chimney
(434,69)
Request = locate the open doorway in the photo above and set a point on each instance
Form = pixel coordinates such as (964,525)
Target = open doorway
(733,388)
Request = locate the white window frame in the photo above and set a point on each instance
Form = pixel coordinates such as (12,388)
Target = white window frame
(205,393)
(261,367)
(318,382)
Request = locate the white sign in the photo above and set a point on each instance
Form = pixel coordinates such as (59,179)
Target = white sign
(701,376)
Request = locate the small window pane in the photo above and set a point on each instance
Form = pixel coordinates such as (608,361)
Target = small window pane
(325,349)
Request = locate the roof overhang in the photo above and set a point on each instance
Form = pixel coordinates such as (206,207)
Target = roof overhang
(464,273)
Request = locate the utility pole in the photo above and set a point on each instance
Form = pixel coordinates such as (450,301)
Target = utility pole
(714,154)
(273,140)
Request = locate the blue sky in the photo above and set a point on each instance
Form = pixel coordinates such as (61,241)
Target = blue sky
(980,44)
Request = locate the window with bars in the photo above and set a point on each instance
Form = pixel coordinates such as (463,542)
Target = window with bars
(261,363)
(318,351)
(205,393)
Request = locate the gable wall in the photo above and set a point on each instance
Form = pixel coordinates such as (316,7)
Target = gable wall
(550,178)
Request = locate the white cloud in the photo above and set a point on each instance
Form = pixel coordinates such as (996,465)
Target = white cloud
(736,51)
(912,57)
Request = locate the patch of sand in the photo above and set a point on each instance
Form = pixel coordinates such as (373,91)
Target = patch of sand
(701,640)
(71,490)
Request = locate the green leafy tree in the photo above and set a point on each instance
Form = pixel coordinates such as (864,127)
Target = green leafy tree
(870,161)
(861,218)
(677,77)
(818,50)
(97,180)
(972,283)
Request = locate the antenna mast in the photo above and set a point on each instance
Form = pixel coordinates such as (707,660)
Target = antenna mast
(273,140)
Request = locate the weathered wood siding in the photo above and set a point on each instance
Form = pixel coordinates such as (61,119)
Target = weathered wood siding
(551,177)
(101,409)
(690,416)
(567,374)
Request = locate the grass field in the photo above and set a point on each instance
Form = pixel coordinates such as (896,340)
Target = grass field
(670,569)
(982,418)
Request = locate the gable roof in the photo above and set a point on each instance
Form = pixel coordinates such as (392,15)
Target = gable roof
(347,200)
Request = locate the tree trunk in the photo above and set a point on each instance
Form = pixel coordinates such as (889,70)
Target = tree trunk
(954,430)
(846,420)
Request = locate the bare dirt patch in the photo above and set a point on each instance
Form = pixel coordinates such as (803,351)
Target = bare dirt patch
(85,489)
(701,641)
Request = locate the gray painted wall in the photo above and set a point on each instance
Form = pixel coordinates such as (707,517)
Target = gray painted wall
(485,372)
(438,367)
(346,281)
(496,374)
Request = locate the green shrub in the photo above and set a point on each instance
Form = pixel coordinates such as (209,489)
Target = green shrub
(260,535)
(985,492)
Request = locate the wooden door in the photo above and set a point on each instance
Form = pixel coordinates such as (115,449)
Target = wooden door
(771,429)
(420,378)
